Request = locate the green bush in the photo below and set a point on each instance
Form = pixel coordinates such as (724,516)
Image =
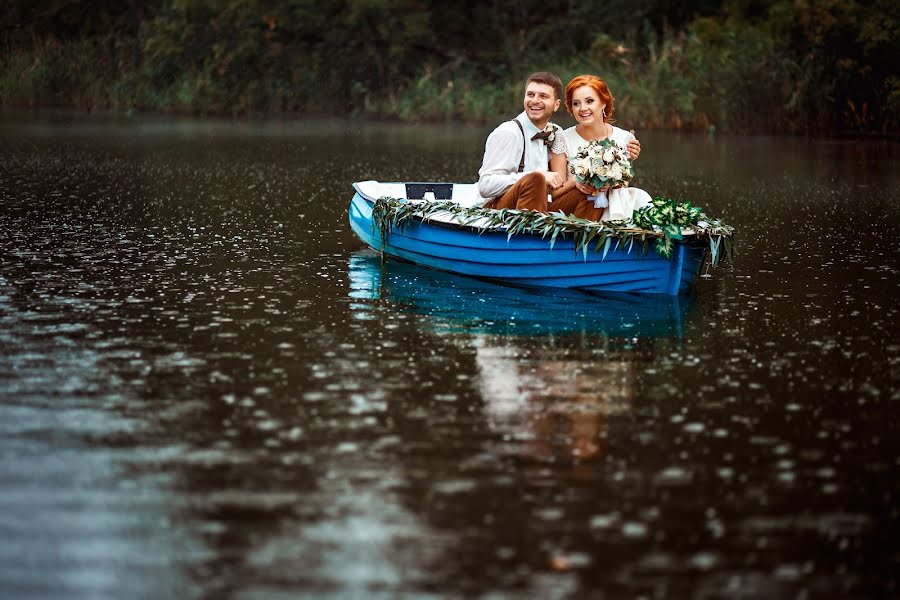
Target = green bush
(777,65)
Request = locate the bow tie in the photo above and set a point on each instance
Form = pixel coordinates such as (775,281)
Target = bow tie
(541,135)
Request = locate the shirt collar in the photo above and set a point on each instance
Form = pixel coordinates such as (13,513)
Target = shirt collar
(527,125)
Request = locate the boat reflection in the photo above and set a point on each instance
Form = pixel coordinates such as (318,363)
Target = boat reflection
(458,303)
(554,367)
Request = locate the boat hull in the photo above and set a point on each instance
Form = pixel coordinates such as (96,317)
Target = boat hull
(528,259)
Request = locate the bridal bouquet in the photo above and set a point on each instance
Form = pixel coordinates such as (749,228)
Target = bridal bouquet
(601,163)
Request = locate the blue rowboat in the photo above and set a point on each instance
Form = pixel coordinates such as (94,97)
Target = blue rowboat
(523,259)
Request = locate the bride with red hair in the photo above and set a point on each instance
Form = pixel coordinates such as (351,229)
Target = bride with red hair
(589,100)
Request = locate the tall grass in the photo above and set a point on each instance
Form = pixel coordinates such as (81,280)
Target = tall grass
(713,75)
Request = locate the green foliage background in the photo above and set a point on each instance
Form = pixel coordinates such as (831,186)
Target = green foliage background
(803,66)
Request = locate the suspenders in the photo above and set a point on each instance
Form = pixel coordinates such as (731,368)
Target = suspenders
(524,145)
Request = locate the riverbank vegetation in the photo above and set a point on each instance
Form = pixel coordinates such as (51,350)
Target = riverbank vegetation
(799,66)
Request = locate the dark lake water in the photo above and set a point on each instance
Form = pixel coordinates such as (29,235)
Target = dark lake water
(208,388)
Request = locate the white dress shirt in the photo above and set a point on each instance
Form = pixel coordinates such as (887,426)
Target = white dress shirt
(502,153)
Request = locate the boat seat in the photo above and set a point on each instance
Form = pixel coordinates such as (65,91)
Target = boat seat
(465,194)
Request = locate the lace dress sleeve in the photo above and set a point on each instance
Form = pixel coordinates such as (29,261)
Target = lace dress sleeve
(559,144)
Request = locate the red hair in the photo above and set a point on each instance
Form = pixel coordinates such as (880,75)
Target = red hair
(595,83)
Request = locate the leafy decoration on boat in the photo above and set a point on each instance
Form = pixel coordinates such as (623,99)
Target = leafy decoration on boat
(668,216)
(661,222)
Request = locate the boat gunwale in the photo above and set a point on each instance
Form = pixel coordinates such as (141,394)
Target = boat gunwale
(690,234)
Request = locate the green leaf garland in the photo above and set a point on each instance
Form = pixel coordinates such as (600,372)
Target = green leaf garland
(660,222)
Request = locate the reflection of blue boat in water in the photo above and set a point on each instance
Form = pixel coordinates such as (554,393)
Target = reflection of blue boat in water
(457,303)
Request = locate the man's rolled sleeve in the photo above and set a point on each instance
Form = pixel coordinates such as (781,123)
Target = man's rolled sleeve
(502,152)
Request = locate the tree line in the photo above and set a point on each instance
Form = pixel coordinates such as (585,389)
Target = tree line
(796,66)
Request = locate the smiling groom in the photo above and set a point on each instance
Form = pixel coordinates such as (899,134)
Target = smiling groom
(515,170)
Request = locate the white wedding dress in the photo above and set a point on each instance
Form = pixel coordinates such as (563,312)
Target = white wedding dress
(622,202)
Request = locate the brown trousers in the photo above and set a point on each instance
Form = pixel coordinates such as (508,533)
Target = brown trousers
(530,193)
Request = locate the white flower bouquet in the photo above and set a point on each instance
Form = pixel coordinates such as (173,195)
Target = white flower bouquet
(602,163)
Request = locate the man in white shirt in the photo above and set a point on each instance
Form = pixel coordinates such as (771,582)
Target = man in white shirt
(515,170)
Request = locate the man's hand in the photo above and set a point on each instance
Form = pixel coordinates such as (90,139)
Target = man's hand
(634,147)
(564,188)
(554,179)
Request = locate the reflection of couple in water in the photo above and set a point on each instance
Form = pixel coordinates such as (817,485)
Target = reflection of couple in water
(526,160)
(555,405)
(555,368)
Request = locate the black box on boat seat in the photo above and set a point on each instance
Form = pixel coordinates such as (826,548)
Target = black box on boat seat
(441,191)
